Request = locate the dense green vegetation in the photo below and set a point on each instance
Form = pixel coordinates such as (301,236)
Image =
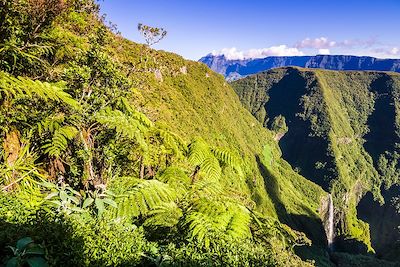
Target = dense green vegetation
(114,154)
(342,134)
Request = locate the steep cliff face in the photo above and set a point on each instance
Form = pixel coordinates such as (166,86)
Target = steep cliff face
(342,133)
(235,69)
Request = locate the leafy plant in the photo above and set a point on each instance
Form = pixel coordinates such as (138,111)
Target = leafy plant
(26,252)
(100,198)
(64,198)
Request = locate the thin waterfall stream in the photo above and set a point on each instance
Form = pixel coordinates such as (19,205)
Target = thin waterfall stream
(330,233)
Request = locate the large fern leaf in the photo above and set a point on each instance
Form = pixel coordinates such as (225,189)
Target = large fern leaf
(200,155)
(164,215)
(176,178)
(126,126)
(21,86)
(227,158)
(142,196)
(198,151)
(59,141)
(208,219)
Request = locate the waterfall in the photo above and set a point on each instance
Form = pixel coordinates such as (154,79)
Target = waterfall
(331,227)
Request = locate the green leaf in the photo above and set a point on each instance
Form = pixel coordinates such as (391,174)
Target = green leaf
(63,195)
(34,250)
(77,209)
(37,262)
(13,262)
(110,202)
(23,242)
(56,202)
(100,206)
(51,195)
(87,202)
(74,199)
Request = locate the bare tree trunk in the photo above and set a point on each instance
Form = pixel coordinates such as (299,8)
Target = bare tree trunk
(11,146)
(88,165)
(141,168)
(193,176)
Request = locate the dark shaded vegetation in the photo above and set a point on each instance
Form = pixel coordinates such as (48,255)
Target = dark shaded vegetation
(383,221)
(382,127)
(300,149)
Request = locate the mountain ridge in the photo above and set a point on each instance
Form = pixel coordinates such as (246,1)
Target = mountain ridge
(233,69)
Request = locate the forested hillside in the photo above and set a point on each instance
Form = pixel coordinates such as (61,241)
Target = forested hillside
(341,131)
(114,154)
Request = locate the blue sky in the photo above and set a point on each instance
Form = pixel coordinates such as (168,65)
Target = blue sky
(242,29)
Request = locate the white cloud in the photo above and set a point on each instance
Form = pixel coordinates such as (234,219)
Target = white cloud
(280,50)
(325,43)
(324,51)
(384,52)
(319,43)
(395,51)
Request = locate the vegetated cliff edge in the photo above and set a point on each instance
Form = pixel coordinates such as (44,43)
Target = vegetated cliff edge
(235,69)
(340,130)
(190,99)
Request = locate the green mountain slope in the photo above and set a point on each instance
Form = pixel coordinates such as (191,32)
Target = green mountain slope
(199,102)
(115,154)
(342,133)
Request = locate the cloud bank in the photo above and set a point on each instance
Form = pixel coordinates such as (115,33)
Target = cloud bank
(312,46)
(280,50)
(319,43)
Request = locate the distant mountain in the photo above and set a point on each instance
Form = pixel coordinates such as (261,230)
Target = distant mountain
(235,69)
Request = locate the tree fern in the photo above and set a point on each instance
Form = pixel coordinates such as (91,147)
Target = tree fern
(171,141)
(142,196)
(227,158)
(12,87)
(126,126)
(59,141)
(203,188)
(164,215)
(198,151)
(208,219)
(200,155)
(176,178)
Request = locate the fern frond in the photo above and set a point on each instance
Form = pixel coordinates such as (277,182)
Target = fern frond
(198,151)
(171,141)
(201,155)
(210,166)
(208,219)
(143,196)
(228,158)
(126,126)
(176,178)
(59,141)
(164,215)
(206,188)
(50,123)
(21,86)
